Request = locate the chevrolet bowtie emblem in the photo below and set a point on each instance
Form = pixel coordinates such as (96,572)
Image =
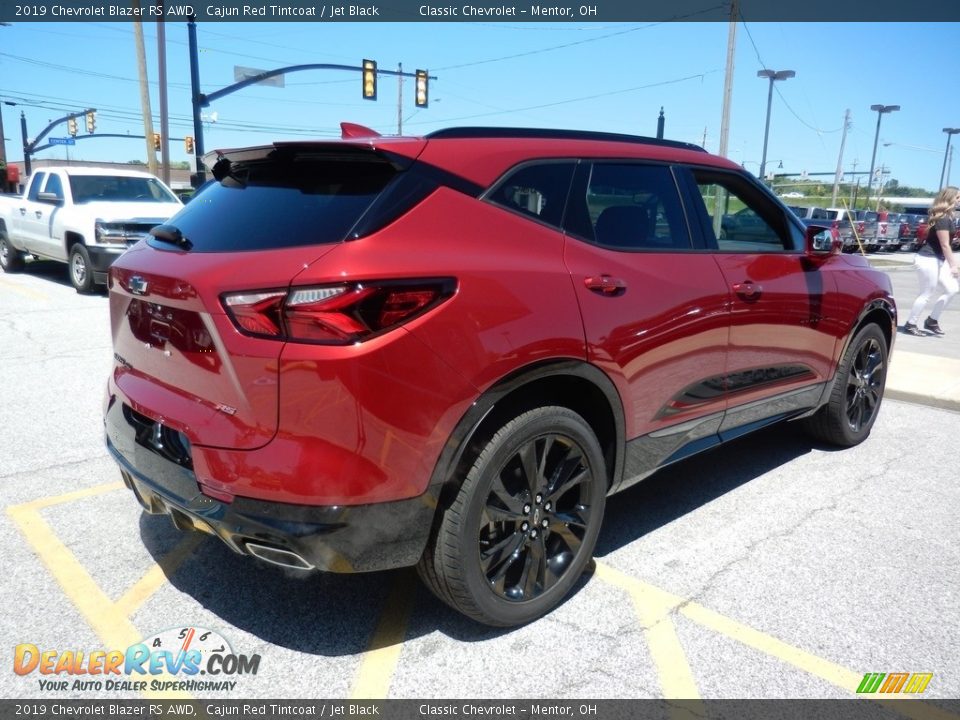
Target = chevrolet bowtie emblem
(137,285)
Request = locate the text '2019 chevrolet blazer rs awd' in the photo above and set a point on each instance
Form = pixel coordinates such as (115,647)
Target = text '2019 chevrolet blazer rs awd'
(448,351)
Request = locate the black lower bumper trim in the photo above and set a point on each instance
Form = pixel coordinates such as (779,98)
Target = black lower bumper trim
(343,538)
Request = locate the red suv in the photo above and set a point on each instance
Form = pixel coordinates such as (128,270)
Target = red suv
(448,351)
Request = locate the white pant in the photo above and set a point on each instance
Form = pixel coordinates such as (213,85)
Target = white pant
(930,271)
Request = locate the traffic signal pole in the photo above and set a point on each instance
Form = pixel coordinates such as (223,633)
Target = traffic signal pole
(31,147)
(199,175)
(201,100)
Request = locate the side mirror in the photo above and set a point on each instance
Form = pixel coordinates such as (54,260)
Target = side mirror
(820,241)
(50,198)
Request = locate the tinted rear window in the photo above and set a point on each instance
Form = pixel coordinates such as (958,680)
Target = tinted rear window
(282,203)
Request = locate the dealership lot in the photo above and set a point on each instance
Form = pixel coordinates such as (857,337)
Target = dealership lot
(769,568)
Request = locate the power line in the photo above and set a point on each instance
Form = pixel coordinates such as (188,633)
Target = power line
(575,43)
(779,93)
(584,98)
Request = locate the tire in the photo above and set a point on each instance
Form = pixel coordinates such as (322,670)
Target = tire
(81,275)
(524,524)
(11,259)
(854,403)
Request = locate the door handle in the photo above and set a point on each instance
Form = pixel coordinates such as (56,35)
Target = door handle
(39,214)
(23,211)
(605,285)
(748,290)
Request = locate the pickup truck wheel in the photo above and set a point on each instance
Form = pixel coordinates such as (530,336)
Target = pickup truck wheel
(850,412)
(524,524)
(81,275)
(11,260)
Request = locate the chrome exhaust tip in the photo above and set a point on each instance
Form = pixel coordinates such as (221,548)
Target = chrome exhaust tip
(276,556)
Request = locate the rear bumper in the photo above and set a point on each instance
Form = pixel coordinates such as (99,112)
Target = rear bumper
(357,538)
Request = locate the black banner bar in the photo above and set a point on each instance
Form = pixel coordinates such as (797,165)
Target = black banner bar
(513,11)
(860,708)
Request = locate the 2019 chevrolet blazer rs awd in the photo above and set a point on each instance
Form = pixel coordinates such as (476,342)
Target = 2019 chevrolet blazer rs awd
(448,351)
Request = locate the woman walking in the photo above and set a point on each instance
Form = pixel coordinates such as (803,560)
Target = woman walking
(936,264)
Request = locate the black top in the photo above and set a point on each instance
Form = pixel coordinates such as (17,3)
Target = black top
(555,134)
(932,245)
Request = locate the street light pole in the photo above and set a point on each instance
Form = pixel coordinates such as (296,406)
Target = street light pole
(773,76)
(880,110)
(946,153)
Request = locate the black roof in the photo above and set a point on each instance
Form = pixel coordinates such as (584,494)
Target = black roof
(554,134)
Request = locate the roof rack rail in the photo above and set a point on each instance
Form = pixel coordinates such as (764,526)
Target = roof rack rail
(554,134)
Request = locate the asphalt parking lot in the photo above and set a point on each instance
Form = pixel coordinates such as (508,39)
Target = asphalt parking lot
(771,568)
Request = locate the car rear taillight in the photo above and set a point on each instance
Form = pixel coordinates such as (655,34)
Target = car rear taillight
(335,314)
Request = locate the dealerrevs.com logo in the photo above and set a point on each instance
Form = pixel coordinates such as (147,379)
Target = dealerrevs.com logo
(170,660)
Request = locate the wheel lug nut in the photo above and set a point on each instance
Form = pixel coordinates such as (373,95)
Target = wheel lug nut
(544,523)
(525,526)
(526,508)
(533,533)
(539,498)
(548,506)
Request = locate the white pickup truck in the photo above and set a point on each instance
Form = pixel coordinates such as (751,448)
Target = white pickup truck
(85,217)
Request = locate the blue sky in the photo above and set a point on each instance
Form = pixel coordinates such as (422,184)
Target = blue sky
(592,76)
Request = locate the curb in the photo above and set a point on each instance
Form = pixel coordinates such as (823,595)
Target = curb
(925,379)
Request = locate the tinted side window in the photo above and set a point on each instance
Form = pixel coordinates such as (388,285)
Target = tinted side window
(54,185)
(630,207)
(35,185)
(538,191)
(740,216)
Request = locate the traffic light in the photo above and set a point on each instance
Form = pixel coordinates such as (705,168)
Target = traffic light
(422,95)
(369,80)
(156,141)
(72,126)
(91,122)
(188,144)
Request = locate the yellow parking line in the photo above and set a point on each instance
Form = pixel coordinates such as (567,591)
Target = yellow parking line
(156,576)
(113,629)
(831,672)
(654,606)
(379,662)
(46,502)
(23,290)
(651,601)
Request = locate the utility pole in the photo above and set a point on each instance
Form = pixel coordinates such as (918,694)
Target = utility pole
(3,149)
(728,79)
(145,93)
(164,111)
(839,175)
(852,198)
(27,166)
(400,99)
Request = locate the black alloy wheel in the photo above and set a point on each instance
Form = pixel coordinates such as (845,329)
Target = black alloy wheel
(854,403)
(865,383)
(524,523)
(535,517)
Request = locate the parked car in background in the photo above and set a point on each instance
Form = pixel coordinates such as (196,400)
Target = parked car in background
(913,228)
(447,351)
(866,222)
(85,217)
(888,231)
(811,213)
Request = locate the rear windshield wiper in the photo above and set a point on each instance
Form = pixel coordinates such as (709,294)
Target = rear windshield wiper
(172,235)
